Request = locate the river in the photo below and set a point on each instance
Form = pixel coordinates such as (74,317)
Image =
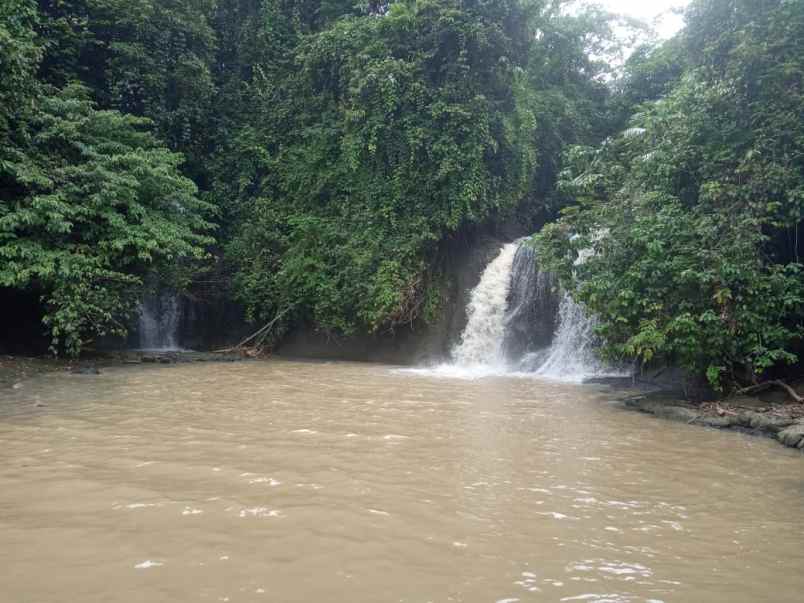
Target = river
(302,481)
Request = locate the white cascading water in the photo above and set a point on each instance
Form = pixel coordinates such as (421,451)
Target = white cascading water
(481,343)
(572,354)
(492,342)
(159,322)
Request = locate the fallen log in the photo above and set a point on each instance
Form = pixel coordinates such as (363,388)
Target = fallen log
(258,337)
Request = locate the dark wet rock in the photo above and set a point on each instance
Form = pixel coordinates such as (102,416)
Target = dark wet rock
(179,357)
(667,382)
(763,422)
(532,315)
(85,370)
(676,413)
(613,381)
(748,403)
(792,436)
(718,422)
(787,430)
(662,409)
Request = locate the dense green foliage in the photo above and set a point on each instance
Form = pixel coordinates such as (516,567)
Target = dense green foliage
(340,143)
(376,133)
(153,59)
(91,201)
(98,200)
(19,56)
(385,133)
(340,146)
(687,222)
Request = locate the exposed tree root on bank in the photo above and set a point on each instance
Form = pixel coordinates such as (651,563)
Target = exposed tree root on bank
(765,385)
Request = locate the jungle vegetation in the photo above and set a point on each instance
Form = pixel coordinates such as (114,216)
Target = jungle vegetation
(313,159)
(682,230)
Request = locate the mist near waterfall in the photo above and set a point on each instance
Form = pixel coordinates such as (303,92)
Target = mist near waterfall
(521,323)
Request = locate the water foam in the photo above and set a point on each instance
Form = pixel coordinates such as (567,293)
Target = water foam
(572,355)
(511,297)
(159,320)
(481,343)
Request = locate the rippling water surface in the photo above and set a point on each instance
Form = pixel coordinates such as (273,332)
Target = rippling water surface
(283,481)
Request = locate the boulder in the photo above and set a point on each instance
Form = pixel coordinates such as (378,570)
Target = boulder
(663,409)
(792,436)
(769,423)
(719,422)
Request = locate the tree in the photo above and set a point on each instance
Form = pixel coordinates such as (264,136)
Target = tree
(565,88)
(97,202)
(380,138)
(20,53)
(688,220)
(152,59)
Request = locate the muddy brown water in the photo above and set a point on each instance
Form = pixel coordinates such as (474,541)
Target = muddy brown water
(285,481)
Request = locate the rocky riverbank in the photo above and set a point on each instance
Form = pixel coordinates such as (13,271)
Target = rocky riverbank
(16,369)
(781,421)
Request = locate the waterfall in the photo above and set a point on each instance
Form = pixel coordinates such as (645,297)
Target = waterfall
(159,318)
(481,342)
(531,317)
(521,323)
(548,333)
(572,354)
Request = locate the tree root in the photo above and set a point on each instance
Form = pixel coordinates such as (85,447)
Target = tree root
(761,387)
(256,339)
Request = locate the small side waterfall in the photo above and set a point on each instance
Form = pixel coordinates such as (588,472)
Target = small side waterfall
(160,316)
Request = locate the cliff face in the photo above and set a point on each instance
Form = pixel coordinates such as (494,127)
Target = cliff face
(21,328)
(462,263)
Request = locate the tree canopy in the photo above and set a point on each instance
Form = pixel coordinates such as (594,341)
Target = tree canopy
(687,221)
(383,135)
(91,200)
(321,155)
